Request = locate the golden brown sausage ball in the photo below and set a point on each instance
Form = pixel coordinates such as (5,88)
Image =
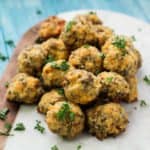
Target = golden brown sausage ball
(53,73)
(24,89)
(102,33)
(32,59)
(76,34)
(55,48)
(80,86)
(107,120)
(52,27)
(119,56)
(65,119)
(133,94)
(90,18)
(114,86)
(50,98)
(87,57)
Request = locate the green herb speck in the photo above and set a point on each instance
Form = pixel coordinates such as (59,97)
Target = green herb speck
(3,58)
(54,147)
(19,127)
(38,12)
(143,103)
(69,25)
(10,43)
(3,113)
(119,42)
(79,147)
(61,91)
(65,113)
(39,127)
(147,79)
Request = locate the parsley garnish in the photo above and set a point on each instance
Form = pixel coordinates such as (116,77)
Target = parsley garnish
(109,79)
(3,113)
(39,127)
(7,127)
(6,84)
(38,11)
(69,25)
(49,59)
(147,79)
(63,66)
(79,147)
(10,43)
(19,127)
(133,38)
(86,46)
(61,91)
(65,113)
(102,55)
(2,57)
(92,12)
(119,42)
(54,147)
(143,103)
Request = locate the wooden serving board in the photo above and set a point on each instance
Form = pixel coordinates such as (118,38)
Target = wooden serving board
(28,38)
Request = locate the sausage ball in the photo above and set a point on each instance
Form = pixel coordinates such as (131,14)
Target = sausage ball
(31,60)
(55,48)
(89,18)
(53,73)
(51,27)
(107,120)
(80,86)
(65,119)
(24,89)
(87,57)
(114,86)
(76,34)
(120,56)
(50,98)
(133,94)
(102,33)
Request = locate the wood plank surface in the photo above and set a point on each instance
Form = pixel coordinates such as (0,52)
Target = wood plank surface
(28,38)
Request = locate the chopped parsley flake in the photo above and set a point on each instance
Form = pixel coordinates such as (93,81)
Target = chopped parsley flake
(147,79)
(119,42)
(143,103)
(64,66)
(38,12)
(39,127)
(10,43)
(54,147)
(69,25)
(102,55)
(19,127)
(60,91)
(133,38)
(7,127)
(92,12)
(79,147)
(109,79)
(86,46)
(3,113)
(2,57)
(65,113)
(7,84)
(49,59)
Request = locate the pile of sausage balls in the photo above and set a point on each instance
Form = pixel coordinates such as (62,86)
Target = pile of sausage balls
(78,73)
